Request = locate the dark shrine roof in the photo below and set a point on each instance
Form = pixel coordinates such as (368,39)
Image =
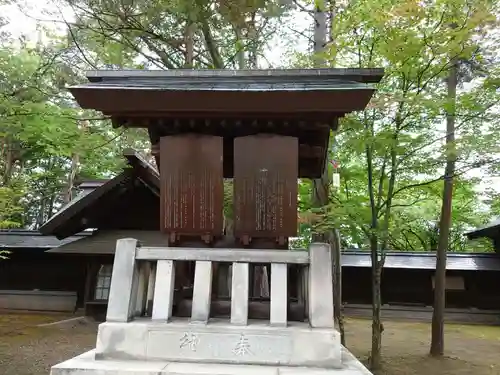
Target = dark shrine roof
(170,92)
(302,103)
(491,230)
(11,239)
(273,75)
(426,260)
(91,184)
(73,217)
(104,241)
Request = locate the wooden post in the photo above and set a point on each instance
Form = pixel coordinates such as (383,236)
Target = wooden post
(89,276)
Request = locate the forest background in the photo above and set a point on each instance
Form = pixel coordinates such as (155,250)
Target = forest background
(48,144)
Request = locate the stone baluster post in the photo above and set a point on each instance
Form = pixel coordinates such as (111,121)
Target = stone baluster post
(124,282)
(320,304)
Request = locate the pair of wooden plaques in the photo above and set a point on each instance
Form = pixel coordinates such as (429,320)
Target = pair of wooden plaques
(264,186)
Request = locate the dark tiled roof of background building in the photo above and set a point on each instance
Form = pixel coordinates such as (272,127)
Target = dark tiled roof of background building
(32,239)
(426,260)
(104,241)
(490,230)
(93,192)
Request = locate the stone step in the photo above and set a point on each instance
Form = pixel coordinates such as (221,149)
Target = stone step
(218,341)
(86,364)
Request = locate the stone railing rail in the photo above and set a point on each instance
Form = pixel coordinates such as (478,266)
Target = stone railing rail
(131,280)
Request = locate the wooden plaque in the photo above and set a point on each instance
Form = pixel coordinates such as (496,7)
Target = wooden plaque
(192,189)
(265,186)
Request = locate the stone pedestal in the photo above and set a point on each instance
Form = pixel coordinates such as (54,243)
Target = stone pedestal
(220,342)
(143,347)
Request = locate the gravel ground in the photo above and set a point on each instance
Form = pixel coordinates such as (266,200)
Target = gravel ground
(26,349)
(469,349)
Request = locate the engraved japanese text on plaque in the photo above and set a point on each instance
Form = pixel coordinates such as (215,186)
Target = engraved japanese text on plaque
(191,184)
(265,186)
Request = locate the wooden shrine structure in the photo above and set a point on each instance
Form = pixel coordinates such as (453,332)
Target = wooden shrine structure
(263,129)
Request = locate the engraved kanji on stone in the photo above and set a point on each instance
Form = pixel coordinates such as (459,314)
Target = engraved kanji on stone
(189,340)
(242,347)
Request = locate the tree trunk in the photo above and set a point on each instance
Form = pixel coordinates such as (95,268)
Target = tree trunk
(241,50)
(75,159)
(437,340)
(320,34)
(189,43)
(253,45)
(321,186)
(261,274)
(377,328)
(50,208)
(9,163)
(376,350)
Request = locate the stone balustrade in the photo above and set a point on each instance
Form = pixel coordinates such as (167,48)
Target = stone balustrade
(126,334)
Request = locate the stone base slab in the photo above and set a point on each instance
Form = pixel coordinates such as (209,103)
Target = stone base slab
(220,342)
(37,300)
(86,364)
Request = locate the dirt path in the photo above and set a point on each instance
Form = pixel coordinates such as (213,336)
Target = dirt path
(26,349)
(470,349)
